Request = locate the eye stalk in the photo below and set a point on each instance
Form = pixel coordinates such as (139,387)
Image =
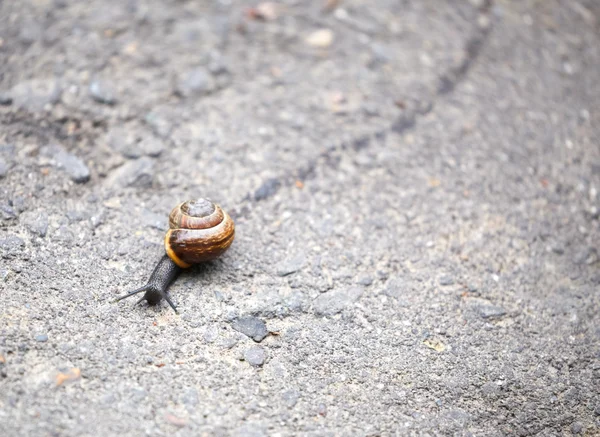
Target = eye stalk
(199,231)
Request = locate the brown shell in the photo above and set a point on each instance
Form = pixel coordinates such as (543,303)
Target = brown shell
(194,239)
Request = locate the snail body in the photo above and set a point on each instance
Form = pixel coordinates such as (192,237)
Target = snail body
(199,231)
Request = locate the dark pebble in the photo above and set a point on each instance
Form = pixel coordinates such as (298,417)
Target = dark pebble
(252,327)
(267,189)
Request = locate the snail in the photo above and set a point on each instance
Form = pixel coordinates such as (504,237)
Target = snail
(199,231)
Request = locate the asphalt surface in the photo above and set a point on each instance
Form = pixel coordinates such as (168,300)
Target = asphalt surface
(415,190)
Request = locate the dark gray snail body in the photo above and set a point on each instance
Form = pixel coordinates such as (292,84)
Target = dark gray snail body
(199,231)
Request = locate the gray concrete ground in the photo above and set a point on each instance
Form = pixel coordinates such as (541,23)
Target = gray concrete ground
(415,187)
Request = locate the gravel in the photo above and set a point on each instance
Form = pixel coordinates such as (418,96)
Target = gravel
(410,146)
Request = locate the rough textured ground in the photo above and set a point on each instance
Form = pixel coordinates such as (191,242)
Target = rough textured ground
(415,188)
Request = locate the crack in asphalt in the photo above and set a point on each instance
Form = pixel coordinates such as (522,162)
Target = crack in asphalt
(447,83)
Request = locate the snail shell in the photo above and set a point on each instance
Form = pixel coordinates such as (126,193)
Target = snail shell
(199,231)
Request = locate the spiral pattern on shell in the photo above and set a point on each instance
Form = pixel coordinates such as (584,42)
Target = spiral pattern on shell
(199,231)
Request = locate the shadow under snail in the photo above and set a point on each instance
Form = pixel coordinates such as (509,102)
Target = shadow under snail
(199,231)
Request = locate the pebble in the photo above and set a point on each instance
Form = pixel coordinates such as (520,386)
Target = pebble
(487,310)
(7,211)
(335,301)
(42,338)
(291,265)
(102,91)
(5,99)
(446,280)
(252,327)
(291,397)
(35,222)
(365,280)
(576,428)
(267,189)
(321,38)
(138,173)
(133,144)
(198,81)
(3,168)
(255,356)
(190,397)
(11,244)
(151,146)
(36,94)
(123,141)
(69,163)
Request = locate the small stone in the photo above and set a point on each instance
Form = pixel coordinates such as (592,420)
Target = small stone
(252,327)
(5,99)
(365,280)
(124,141)
(102,91)
(321,38)
(3,168)
(267,189)
(36,94)
(42,338)
(35,222)
(577,428)
(446,280)
(291,265)
(487,310)
(138,173)
(11,245)
(291,397)
(255,356)
(195,82)
(151,146)
(7,212)
(322,410)
(490,389)
(335,301)
(69,163)
(190,397)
